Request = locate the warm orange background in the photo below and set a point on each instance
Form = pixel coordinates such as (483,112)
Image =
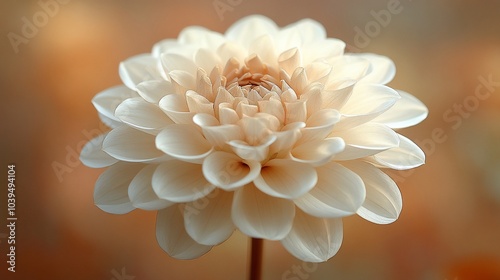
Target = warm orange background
(450,224)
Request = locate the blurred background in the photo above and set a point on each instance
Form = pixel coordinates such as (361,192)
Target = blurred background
(447,54)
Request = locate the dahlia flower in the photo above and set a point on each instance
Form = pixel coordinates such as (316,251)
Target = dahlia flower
(272,131)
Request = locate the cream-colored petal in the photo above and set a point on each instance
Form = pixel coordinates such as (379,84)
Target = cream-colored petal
(201,36)
(173,238)
(141,191)
(231,50)
(228,171)
(182,81)
(208,219)
(318,152)
(180,181)
(274,108)
(286,138)
(320,50)
(336,98)
(139,68)
(365,140)
(259,215)
(128,144)
(406,112)
(366,102)
(184,142)
(348,67)
(228,115)
(108,121)
(93,156)
(263,46)
(319,125)
(406,156)
(173,46)
(142,115)
(106,101)
(295,112)
(111,188)
(198,104)
(290,59)
(286,178)
(153,91)
(314,239)
(383,201)
(381,71)
(172,61)
(247,29)
(175,106)
(338,193)
(250,152)
(206,59)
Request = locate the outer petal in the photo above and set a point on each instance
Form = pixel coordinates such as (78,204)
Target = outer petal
(338,193)
(110,193)
(173,238)
(366,102)
(318,152)
(141,191)
(153,91)
(381,71)
(180,181)
(408,155)
(247,29)
(142,115)
(262,216)
(286,178)
(184,142)
(383,199)
(106,101)
(139,68)
(93,156)
(128,144)
(228,171)
(365,140)
(208,220)
(406,112)
(314,239)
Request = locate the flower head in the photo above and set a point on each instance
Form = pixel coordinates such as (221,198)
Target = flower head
(272,131)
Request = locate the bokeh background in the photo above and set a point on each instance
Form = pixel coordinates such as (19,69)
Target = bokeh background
(450,224)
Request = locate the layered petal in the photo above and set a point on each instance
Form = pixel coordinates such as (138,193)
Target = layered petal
(106,101)
(180,181)
(142,115)
(286,178)
(93,156)
(128,144)
(383,201)
(111,188)
(313,239)
(366,140)
(173,238)
(406,112)
(261,216)
(141,191)
(208,219)
(228,171)
(184,142)
(406,156)
(338,193)
(318,152)
(139,68)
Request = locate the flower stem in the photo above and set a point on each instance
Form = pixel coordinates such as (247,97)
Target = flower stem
(256,259)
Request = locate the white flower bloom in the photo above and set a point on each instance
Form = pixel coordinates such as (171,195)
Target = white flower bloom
(272,131)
